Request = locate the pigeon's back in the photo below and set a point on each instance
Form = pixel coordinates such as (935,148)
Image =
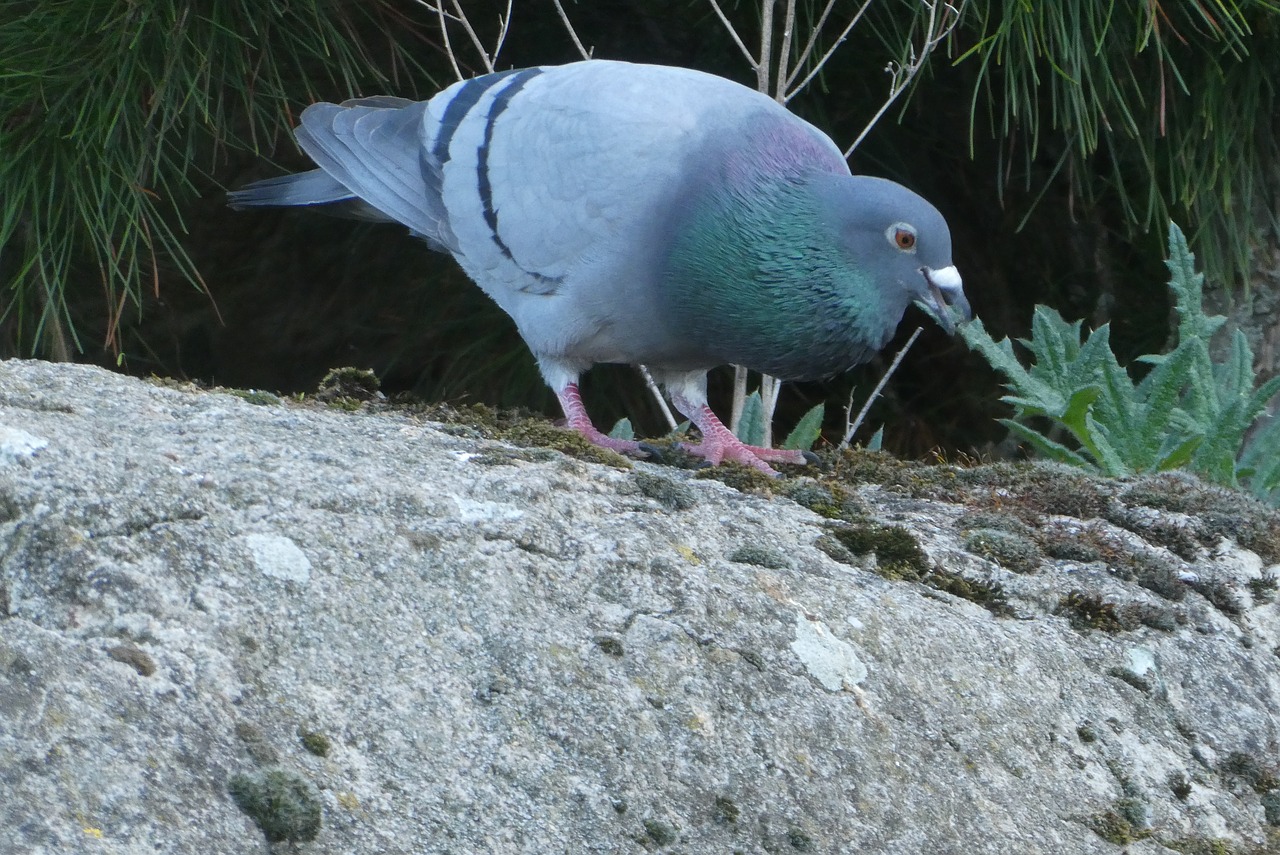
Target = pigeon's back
(567,180)
(556,181)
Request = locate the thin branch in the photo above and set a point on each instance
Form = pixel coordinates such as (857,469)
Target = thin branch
(770,388)
(784,55)
(657,394)
(586,54)
(444,31)
(739,398)
(458,16)
(814,32)
(751,60)
(935,31)
(896,89)
(852,427)
(817,68)
(475,39)
(766,46)
(504,23)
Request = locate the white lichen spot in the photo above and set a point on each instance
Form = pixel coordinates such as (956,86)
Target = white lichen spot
(471,511)
(830,661)
(1141,661)
(278,557)
(15,444)
(701,721)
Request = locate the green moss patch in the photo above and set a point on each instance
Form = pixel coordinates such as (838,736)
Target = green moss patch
(1087,611)
(1113,827)
(1222,513)
(348,388)
(256,396)
(898,553)
(541,434)
(666,491)
(1011,551)
(1260,775)
(760,556)
(742,478)
(900,558)
(284,804)
(827,498)
(988,594)
(314,741)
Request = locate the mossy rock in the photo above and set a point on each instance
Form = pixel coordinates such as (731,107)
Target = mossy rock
(348,388)
(284,804)
(540,434)
(666,491)
(1011,551)
(898,553)
(760,556)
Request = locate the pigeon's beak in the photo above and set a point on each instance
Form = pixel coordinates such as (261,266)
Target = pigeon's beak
(945,298)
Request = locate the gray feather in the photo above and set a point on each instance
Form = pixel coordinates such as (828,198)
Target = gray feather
(316,187)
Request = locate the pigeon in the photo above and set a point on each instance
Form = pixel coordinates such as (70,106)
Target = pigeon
(640,214)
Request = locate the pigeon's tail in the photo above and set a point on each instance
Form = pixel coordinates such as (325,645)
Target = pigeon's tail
(314,188)
(372,167)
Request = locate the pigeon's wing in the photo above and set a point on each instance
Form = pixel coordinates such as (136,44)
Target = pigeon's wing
(548,174)
(373,147)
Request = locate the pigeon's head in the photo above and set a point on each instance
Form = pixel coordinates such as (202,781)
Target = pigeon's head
(901,242)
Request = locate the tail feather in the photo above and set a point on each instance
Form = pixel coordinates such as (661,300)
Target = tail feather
(316,187)
(374,148)
(372,167)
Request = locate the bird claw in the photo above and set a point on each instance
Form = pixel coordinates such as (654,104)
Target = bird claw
(652,452)
(754,456)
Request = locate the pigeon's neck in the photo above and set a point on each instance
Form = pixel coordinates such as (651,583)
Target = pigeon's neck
(756,274)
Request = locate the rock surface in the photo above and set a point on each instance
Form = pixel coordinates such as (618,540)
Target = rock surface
(384,637)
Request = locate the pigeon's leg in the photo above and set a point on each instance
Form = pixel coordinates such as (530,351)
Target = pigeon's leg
(576,416)
(689,394)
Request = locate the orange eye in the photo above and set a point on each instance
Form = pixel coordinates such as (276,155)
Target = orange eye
(904,239)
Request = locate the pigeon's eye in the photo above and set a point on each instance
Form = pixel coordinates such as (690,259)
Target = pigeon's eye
(902,236)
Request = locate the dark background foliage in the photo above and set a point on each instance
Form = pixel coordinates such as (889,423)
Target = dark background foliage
(145,117)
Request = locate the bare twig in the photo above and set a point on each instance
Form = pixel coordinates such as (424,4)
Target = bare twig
(770,387)
(937,28)
(809,45)
(739,398)
(737,39)
(784,55)
(793,91)
(766,46)
(852,427)
(444,32)
(657,396)
(475,39)
(504,23)
(586,54)
(459,16)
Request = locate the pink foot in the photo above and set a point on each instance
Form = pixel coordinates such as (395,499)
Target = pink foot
(719,444)
(577,419)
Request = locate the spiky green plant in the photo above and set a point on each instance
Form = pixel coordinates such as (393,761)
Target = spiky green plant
(1188,411)
(107,110)
(804,436)
(1260,462)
